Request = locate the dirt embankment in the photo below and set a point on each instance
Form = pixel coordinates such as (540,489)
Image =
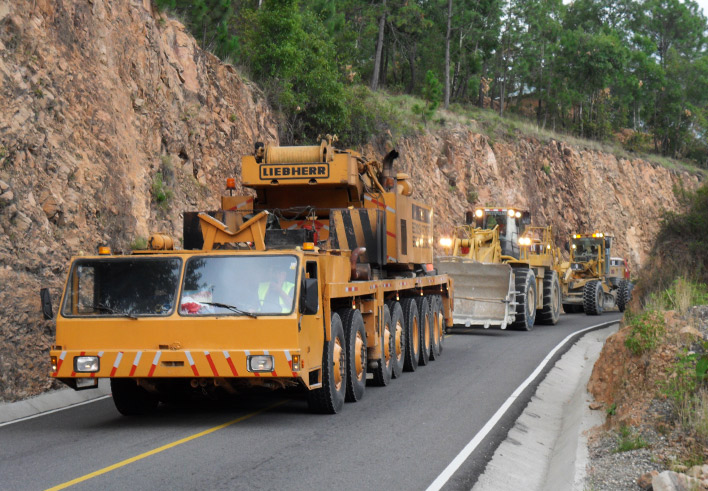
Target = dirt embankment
(113,122)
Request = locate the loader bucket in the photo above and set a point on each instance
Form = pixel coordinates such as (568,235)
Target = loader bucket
(484,293)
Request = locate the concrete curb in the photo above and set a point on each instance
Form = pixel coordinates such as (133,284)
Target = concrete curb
(13,412)
(547,447)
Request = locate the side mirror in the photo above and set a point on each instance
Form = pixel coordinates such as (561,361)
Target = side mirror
(566,246)
(309,296)
(46,299)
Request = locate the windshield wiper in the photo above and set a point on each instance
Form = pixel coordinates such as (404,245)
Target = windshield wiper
(106,308)
(231,308)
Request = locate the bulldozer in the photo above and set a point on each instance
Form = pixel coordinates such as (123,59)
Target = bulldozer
(538,249)
(493,286)
(587,283)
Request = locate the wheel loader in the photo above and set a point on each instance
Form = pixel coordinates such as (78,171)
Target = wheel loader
(588,286)
(493,287)
(540,252)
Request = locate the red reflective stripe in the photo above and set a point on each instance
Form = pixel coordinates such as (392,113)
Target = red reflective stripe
(116,363)
(390,234)
(211,363)
(231,363)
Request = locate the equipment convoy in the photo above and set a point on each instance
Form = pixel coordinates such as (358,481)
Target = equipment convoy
(322,278)
(588,284)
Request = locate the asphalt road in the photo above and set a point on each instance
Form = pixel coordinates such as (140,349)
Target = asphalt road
(398,437)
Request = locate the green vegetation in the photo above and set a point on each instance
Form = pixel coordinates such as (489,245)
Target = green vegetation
(612,410)
(648,327)
(591,68)
(628,439)
(680,250)
(140,243)
(160,193)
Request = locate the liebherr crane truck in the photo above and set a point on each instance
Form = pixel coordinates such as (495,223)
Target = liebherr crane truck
(322,277)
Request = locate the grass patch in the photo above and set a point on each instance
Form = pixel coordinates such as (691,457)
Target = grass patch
(648,328)
(160,193)
(628,439)
(680,296)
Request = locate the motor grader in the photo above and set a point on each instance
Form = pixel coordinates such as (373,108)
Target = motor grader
(493,286)
(587,284)
(538,249)
(323,277)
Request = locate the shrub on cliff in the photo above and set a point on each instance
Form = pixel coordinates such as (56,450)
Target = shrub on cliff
(681,246)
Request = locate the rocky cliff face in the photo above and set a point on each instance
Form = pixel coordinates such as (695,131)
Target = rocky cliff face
(96,98)
(113,121)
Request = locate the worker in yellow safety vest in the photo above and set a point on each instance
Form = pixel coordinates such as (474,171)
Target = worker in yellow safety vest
(276,295)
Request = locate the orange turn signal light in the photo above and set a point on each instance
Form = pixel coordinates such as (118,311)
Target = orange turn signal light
(230,183)
(104,250)
(308,246)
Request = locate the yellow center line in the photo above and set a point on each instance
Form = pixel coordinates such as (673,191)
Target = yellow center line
(162,448)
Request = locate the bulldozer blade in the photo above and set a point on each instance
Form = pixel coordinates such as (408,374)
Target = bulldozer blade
(484,293)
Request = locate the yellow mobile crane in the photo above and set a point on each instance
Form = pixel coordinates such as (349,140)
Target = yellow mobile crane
(322,277)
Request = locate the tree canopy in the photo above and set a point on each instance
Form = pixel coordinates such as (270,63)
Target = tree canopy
(592,68)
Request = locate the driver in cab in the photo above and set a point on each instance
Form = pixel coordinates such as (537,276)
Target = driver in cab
(276,294)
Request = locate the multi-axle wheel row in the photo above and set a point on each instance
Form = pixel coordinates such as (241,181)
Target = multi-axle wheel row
(412,335)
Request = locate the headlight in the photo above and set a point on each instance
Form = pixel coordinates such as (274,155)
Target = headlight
(478,213)
(524,241)
(517,214)
(511,213)
(446,241)
(574,246)
(85,364)
(260,363)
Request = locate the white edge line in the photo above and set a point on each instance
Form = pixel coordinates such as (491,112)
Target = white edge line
(44,413)
(452,467)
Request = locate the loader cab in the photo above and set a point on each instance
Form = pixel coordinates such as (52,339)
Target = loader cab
(511,223)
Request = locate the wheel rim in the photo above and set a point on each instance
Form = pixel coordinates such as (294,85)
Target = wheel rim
(338,362)
(599,296)
(387,344)
(416,337)
(436,327)
(530,301)
(556,298)
(397,341)
(427,333)
(359,356)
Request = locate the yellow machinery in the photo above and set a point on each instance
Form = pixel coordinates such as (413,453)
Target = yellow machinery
(540,252)
(322,277)
(586,281)
(492,286)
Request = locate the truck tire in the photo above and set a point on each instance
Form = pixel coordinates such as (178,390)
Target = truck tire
(550,313)
(424,321)
(436,327)
(623,295)
(593,298)
(525,284)
(384,366)
(329,399)
(571,308)
(131,399)
(410,322)
(355,334)
(398,329)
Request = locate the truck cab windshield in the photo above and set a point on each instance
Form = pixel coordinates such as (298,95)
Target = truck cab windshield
(122,287)
(239,285)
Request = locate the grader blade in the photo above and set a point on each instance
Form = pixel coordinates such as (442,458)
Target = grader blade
(484,293)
